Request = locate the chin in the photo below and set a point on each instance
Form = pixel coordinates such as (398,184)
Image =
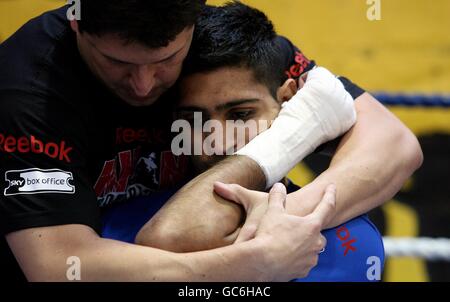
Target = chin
(141,102)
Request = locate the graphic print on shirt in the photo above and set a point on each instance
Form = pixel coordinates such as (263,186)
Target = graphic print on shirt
(138,172)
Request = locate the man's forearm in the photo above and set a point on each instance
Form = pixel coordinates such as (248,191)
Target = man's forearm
(357,192)
(113,261)
(110,260)
(212,213)
(369,167)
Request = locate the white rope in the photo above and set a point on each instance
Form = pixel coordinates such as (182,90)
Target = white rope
(432,249)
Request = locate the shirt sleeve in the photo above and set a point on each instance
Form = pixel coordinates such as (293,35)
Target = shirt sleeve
(43,165)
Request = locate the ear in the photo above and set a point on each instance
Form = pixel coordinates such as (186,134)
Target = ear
(287,91)
(74,26)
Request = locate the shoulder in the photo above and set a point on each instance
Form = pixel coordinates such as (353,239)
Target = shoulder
(41,57)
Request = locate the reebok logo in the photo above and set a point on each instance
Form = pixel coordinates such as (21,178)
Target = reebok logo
(344,235)
(24,144)
(299,67)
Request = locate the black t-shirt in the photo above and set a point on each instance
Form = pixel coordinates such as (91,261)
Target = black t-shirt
(68,146)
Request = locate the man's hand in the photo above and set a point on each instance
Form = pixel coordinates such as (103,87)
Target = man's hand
(296,241)
(255,205)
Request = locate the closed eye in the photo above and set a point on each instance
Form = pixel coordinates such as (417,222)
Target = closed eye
(244,114)
(117,62)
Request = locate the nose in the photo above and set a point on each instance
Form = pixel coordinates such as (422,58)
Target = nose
(143,79)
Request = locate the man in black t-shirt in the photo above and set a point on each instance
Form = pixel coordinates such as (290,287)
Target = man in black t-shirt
(83,124)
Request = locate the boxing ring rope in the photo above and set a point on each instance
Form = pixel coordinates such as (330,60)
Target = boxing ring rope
(418,100)
(431,249)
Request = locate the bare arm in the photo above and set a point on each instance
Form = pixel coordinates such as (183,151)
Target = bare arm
(196,218)
(372,162)
(275,254)
(370,165)
(42,254)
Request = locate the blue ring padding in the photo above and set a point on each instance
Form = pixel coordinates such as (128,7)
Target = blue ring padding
(416,100)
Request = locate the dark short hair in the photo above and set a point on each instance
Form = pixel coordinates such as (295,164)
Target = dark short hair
(153,23)
(236,35)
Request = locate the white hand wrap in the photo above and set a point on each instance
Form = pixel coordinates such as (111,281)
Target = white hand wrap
(321,111)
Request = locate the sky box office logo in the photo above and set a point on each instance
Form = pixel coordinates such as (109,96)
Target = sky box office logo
(35,181)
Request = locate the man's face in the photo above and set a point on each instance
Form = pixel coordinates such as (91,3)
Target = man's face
(137,74)
(228,94)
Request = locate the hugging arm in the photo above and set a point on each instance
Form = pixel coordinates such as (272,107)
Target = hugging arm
(370,165)
(49,253)
(196,218)
(372,162)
